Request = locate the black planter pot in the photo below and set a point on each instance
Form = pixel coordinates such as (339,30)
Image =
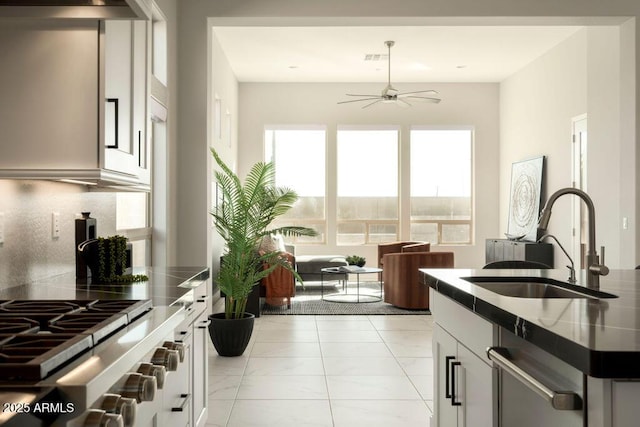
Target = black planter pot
(230,337)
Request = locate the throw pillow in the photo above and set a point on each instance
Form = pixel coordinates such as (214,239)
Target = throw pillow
(279,240)
(268,244)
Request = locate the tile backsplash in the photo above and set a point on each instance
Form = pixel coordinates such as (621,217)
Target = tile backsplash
(29,251)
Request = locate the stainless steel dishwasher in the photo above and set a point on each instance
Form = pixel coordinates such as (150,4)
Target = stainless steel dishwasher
(536,388)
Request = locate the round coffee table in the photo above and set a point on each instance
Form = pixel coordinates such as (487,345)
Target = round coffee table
(358,295)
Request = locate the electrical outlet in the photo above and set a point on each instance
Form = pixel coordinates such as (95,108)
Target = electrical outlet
(55,225)
(1,228)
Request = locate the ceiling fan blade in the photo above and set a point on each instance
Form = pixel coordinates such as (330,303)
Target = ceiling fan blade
(423,99)
(374,102)
(353,94)
(402,103)
(418,91)
(358,100)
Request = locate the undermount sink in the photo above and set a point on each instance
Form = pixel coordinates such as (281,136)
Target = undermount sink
(535,287)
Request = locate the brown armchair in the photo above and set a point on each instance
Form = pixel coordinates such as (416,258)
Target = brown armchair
(403,286)
(280,285)
(399,247)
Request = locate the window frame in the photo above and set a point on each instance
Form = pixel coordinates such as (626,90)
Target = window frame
(306,222)
(441,222)
(367,223)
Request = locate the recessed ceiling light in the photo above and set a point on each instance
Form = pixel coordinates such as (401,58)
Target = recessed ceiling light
(293,67)
(461,66)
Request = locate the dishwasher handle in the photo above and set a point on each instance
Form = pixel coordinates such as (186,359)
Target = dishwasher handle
(561,400)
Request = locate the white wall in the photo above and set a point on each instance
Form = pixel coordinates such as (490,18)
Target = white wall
(536,108)
(315,103)
(224,87)
(169,184)
(537,104)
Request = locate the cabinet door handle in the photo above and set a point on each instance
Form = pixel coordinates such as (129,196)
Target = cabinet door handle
(202,298)
(185,403)
(453,384)
(139,148)
(205,324)
(447,377)
(184,335)
(113,101)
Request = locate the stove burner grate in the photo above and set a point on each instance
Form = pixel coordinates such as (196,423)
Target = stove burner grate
(33,357)
(98,325)
(18,325)
(39,336)
(38,306)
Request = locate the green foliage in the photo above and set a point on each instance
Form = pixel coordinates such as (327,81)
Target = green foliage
(116,247)
(356,260)
(243,218)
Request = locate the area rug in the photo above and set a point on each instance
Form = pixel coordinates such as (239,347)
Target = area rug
(308,302)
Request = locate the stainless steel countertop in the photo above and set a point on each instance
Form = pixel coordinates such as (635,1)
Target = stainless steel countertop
(164,287)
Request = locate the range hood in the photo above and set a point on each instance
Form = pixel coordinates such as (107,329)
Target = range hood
(94,179)
(88,9)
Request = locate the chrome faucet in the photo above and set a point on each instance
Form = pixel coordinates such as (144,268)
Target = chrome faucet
(572,269)
(594,268)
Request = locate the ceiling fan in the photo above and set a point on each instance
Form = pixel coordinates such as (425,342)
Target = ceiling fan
(390,95)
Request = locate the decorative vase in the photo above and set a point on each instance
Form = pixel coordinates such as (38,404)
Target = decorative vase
(230,337)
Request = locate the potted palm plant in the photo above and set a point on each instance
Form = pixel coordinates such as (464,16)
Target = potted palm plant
(243,217)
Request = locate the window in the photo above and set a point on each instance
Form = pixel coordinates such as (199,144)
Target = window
(441,185)
(299,158)
(367,197)
(132,221)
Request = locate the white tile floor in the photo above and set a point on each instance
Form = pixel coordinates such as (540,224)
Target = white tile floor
(326,371)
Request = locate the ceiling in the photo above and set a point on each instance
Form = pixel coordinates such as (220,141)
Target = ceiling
(420,54)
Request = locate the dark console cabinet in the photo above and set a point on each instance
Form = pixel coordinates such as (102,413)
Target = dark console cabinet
(504,250)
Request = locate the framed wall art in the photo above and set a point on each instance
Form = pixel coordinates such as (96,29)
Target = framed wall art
(525,199)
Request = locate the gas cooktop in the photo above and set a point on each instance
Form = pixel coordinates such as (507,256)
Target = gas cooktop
(38,337)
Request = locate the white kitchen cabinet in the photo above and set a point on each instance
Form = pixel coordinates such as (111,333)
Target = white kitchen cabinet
(613,403)
(60,80)
(464,380)
(624,399)
(177,398)
(200,370)
(141,125)
(464,384)
(126,93)
(200,360)
(118,88)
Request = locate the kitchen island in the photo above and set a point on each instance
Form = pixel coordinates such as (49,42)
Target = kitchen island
(128,354)
(590,345)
